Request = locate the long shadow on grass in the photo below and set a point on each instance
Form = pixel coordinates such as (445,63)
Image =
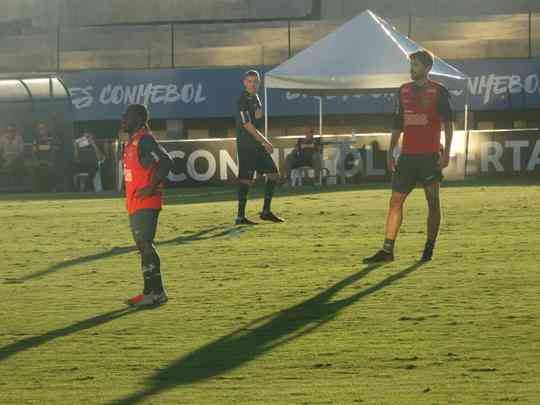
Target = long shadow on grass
(261,336)
(116,251)
(36,341)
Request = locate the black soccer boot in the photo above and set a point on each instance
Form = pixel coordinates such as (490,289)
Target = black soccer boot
(244,221)
(381,256)
(269,216)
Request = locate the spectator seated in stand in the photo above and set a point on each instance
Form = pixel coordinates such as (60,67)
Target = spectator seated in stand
(44,153)
(12,156)
(306,155)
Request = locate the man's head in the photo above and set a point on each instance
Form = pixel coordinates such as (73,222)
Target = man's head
(421,63)
(135,117)
(252,79)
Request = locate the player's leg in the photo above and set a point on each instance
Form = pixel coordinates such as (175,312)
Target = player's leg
(431,177)
(403,182)
(394,219)
(152,267)
(245,177)
(434,219)
(266,165)
(393,223)
(136,224)
(243,191)
(144,225)
(432,192)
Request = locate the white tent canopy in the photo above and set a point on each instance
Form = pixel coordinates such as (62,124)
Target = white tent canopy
(365,54)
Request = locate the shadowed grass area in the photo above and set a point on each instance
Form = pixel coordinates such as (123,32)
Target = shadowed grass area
(259,337)
(279,313)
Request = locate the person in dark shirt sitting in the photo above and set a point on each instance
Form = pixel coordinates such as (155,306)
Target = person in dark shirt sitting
(307,153)
(44,155)
(12,154)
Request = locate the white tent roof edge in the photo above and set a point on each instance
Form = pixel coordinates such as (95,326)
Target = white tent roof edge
(305,72)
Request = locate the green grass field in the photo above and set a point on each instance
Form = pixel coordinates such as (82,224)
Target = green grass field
(275,313)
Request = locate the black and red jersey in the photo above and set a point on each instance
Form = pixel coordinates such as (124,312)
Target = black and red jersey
(420,115)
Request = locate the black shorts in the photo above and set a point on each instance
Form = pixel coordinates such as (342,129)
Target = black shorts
(143,224)
(413,169)
(251,160)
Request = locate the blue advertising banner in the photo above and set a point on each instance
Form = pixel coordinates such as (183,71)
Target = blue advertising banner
(505,84)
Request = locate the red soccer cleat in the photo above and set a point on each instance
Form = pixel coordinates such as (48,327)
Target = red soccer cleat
(141,300)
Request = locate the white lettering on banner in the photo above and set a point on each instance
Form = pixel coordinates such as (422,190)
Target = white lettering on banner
(289,96)
(514,85)
(516,146)
(484,86)
(486,157)
(293,96)
(491,85)
(177,178)
(491,152)
(532,84)
(535,157)
(211,160)
(81,97)
(226,162)
(149,93)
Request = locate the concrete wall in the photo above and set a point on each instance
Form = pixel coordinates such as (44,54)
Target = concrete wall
(440,8)
(44,13)
(233,44)
(211,45)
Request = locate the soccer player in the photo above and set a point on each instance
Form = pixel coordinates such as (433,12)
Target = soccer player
(146,164)
(254,150)
(423,108)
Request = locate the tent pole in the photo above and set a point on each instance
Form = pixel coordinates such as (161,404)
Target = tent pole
(265,111)
(319,180)
(320,116)
(466,125)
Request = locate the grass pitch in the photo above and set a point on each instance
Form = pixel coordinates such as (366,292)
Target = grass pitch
(274,313)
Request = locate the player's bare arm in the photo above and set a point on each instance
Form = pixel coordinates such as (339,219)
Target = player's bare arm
(448,135)
(390,160)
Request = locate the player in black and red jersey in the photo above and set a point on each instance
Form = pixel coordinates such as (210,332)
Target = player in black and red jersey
(423,110)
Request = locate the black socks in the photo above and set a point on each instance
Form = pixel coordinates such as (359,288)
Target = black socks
(388,245)
(151,268)
(268,194)
(243,190)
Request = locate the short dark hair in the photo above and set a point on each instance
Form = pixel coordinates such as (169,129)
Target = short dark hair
(252,72)
(425,58)
(140,111)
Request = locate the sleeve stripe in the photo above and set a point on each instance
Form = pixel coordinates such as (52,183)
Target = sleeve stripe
(245,117)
